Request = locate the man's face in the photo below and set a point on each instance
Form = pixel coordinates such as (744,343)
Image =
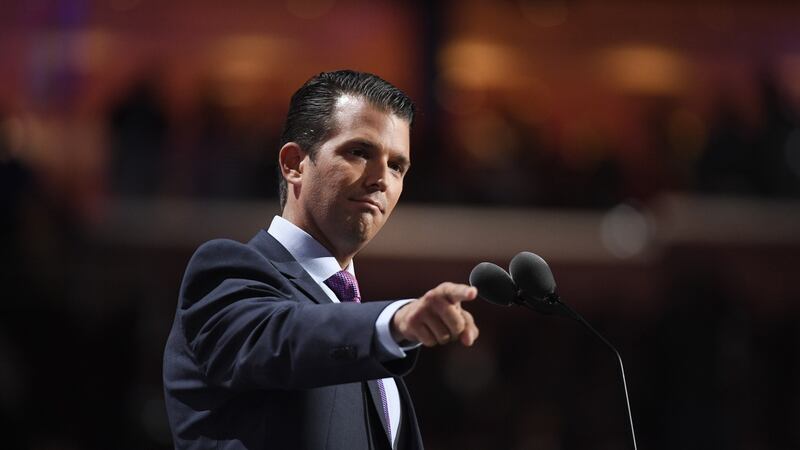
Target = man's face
(353,183)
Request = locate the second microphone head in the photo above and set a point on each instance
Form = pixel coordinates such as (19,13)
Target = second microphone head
(532,275)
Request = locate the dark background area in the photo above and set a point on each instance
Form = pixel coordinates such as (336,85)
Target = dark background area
(649,151)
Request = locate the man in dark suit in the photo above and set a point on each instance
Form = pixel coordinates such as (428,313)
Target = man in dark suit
(271,347)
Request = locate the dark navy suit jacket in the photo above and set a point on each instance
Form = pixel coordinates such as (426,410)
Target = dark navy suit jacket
(260,358)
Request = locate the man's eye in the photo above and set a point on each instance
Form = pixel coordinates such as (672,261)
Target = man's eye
(396,167)
(358,151)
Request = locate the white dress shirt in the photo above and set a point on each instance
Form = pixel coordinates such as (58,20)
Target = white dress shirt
(320,264)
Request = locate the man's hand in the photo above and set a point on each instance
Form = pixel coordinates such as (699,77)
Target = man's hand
(437,317)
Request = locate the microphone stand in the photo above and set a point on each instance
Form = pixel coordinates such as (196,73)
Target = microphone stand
(552,304)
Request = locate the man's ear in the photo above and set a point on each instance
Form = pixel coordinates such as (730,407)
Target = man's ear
(291,159)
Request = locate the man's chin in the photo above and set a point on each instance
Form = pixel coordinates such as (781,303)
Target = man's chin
(364,229)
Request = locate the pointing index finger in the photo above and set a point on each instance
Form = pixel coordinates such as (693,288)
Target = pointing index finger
(457,293)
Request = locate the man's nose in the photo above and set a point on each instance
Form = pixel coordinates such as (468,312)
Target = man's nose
(376,174)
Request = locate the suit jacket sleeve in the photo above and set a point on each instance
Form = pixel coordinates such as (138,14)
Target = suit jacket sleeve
(246,325)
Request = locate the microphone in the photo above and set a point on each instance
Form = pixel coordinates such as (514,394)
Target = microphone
(531,285)
(537,287)
(494,284)
(532,274)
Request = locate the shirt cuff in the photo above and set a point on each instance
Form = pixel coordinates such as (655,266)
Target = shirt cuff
(387,346)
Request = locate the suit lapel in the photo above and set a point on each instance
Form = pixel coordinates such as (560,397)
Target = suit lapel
(283,261)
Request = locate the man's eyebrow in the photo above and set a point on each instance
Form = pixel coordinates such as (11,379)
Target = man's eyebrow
(363,142)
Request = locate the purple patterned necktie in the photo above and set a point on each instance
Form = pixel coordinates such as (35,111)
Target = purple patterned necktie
(345,286)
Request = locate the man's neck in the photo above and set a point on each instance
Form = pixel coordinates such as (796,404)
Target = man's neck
(313,231)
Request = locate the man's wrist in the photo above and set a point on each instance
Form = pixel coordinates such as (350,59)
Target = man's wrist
(390,344)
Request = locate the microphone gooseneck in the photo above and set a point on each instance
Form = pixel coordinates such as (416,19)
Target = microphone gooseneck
(531,285)
(574,315)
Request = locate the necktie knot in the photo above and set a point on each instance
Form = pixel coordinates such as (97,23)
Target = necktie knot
(345,286)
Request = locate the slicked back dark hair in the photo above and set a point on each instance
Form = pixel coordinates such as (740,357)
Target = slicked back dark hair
(309,120)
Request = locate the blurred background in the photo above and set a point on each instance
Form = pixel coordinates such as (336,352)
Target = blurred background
(650,151)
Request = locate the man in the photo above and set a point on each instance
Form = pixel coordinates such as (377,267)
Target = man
(271,347)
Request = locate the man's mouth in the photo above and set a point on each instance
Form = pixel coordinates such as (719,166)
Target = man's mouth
(378,205)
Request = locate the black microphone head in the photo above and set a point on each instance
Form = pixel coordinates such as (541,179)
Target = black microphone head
(532,274)
(494,284)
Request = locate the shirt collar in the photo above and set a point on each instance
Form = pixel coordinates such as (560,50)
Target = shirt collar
(312,256)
